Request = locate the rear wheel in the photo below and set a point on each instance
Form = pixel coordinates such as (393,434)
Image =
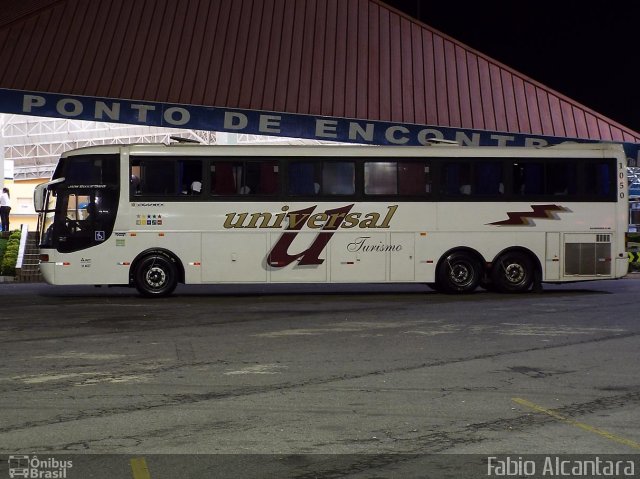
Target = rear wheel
(512,273)
(156,275)
(459,272)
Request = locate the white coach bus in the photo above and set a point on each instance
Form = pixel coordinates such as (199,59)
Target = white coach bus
(153,216)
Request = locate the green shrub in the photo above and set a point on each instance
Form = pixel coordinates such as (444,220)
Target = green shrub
(10,254)
(3,247)
(9,263)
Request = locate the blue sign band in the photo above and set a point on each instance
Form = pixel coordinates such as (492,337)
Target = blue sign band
(234,120)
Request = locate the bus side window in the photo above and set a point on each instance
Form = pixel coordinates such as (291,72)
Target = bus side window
(413,178)
(338,178)
(244,178)
(268,184)
(528,178)
(158,177)
(381,178)
(561,178)
(302,179)
(598,179)
(488,178)
(222,181)
(190,176)
(457,179)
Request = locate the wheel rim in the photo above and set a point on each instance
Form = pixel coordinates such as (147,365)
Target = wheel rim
(156,277)
(515,273)
(461,273)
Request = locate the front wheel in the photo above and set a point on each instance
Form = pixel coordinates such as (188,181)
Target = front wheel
(459,273)
(512,273)
(155,276)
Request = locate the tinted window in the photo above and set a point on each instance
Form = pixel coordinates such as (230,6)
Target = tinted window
(552,178)
(158,177)
(90,170)
(162,176)
(599,179)
(304,178)
(338,178)
(488,178)
(456,179)
(407,178)
(381,178)
(244,177)
(321,177)
(561,178)
(528,178)
(414,178)
(475,177)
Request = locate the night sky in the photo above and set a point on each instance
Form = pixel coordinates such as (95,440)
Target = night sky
(588,54)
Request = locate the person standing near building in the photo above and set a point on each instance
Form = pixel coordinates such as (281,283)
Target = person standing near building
(5,208)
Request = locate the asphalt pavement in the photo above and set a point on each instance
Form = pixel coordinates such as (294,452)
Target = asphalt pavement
(317,381)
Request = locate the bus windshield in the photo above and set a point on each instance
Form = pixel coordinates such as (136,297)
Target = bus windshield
(80,207)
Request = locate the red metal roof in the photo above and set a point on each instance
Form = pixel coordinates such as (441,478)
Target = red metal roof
(345,58)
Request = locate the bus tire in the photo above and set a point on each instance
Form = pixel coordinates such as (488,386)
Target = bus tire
(156,275)
(513,272)
(458,272)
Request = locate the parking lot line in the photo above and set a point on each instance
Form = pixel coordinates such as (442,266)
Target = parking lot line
(581,425)
(139,468)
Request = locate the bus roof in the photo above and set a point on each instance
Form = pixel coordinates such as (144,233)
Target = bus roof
(587,150)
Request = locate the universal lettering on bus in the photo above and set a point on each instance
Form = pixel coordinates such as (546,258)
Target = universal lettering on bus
(327,220)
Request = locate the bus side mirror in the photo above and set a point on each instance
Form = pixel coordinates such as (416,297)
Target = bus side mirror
(38,197)
(39,194)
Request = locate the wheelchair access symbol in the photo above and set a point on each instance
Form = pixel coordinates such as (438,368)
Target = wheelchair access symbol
(100,236)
